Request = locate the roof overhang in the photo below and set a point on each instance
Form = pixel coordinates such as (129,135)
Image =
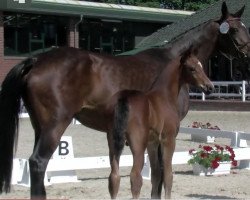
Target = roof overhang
(93,9)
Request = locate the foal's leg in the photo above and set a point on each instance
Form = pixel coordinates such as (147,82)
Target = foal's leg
(114,177)
(137,138)
(155,158)
(168,144)
(46,141)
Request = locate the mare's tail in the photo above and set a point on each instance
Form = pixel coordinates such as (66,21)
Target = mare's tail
(10,97)
(120,124)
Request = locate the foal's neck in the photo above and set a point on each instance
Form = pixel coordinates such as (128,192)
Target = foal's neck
(169,82)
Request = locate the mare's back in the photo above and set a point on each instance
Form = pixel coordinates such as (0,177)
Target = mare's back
(95,74)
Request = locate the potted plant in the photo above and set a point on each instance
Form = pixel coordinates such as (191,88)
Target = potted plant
(203,137)
(208,160)
(204,126)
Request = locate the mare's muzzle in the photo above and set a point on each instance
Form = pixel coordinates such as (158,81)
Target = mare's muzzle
(207,89)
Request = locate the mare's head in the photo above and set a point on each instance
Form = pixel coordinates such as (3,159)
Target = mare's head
(234,39)
(193,73)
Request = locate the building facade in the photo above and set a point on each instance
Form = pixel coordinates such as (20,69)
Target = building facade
(30,27)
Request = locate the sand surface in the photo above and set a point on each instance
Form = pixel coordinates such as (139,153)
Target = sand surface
(93,184)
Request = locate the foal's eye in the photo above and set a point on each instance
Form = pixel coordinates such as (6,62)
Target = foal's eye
(192,70)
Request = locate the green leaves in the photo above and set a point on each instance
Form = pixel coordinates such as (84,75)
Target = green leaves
(210,157)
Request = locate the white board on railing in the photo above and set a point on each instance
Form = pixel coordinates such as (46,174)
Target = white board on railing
(65,152)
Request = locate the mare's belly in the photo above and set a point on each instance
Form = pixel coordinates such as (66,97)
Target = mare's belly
(94,118)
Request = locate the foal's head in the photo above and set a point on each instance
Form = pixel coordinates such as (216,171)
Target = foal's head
(193,73)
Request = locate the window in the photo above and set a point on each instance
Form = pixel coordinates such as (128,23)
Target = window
(109,36)
(27,34)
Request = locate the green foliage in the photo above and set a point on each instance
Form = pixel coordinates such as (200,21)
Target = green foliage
(145,3)
(210,157)
(197,4)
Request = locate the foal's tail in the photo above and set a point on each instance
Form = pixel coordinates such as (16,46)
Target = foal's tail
(120,124)
(10,97)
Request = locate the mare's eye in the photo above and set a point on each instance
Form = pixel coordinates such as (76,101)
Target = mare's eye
(234,30)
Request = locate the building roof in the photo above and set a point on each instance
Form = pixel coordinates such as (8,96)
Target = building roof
(93,9)
(213,11)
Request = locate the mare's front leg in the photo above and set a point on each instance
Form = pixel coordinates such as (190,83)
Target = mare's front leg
(114,177)
(155,158)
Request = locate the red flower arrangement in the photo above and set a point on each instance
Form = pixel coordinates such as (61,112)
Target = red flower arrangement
(210,157)
(205,126)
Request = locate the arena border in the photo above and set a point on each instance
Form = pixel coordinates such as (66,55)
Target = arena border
(219,105)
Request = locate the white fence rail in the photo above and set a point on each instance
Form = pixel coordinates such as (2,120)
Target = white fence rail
(64,168)
(226,89)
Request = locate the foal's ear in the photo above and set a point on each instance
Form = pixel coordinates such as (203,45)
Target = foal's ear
(224,11)
(186,54)
(239,12)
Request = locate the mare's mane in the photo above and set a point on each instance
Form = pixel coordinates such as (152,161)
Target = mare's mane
(190,37)
(188,32)
(181,42)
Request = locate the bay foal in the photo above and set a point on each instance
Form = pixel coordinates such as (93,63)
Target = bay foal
(152,120)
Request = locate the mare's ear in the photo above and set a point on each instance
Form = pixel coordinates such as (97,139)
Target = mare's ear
(239,12)
(224,11)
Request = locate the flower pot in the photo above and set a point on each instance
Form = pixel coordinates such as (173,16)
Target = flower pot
(224,168)
(202,138)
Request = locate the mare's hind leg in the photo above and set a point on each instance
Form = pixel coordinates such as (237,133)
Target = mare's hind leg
(155,158)
(47,139)
(114,177)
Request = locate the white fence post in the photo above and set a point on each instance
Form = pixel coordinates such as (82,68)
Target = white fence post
(243,91)
(203,96)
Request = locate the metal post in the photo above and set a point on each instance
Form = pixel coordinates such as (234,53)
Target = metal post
(231,67)
(75,29)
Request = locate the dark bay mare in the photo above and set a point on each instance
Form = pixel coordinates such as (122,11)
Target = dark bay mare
(152,120)
(66,82)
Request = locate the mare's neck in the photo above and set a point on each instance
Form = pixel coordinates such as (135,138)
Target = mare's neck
(203,38)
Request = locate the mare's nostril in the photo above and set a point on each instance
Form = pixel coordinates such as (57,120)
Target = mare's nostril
(210,88)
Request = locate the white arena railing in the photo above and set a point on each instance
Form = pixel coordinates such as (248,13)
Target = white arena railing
(226,90)
(63,170)
(239,90)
